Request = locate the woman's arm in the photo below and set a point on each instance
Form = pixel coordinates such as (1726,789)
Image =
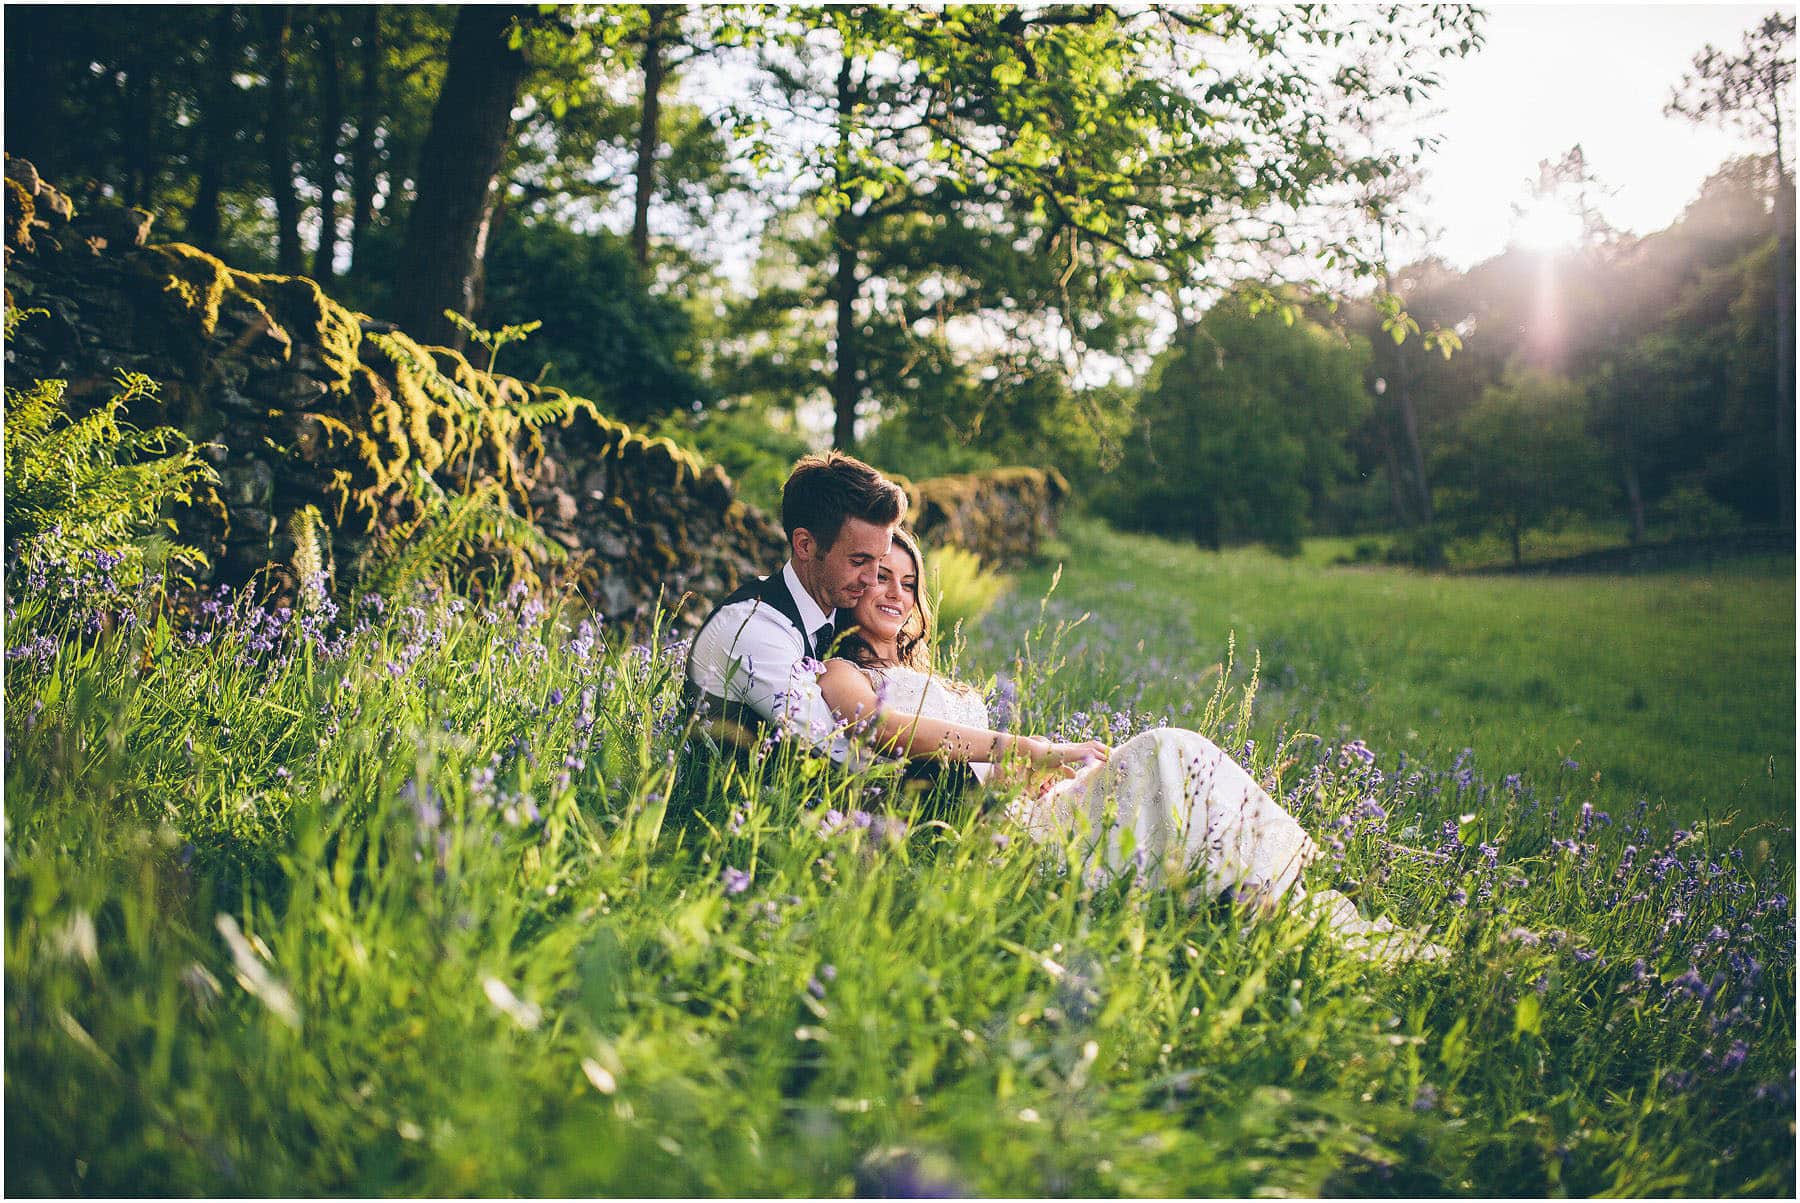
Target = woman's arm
(853,700)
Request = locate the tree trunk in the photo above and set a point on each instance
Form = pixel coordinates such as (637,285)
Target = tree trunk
(331,130)
(1409,428)
(215,131)
(648,139)
(1396,481)
(362,152)
(1784,345)
(844,390)
(496,214)
(276,147)
(847,235)
(446,234)
(1634,497)
(136,131)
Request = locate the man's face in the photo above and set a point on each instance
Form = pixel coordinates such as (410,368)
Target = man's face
(844,572)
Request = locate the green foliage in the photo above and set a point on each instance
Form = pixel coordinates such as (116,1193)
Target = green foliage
(1675,338)
(1653,403)
(603,333)
(449,533)
(1061,115)
(900,446)
(1690,513)
(961,589)
(1525,460)
(1090,156)
(78,485)
(1242,429)
(756,445)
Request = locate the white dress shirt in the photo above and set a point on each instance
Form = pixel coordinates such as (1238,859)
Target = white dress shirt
(750,653)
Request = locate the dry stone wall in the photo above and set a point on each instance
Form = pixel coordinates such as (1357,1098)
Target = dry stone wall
(304,403)
(1002,515)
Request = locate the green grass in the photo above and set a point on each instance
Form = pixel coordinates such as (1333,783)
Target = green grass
(431,902)
(1488,550)
(1678,689)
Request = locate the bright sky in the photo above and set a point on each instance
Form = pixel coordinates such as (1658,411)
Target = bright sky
(1552,75)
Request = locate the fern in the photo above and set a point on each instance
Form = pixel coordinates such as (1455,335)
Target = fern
(78,486)
(554,406)
(313,562)
(493,340)
(16,318)
(450,531)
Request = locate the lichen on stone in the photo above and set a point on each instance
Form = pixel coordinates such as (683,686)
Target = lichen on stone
(20,210)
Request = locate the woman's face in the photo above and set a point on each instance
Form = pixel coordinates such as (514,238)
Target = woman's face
(882,611)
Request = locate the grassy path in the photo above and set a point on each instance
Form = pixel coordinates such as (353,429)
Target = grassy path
(1674,688)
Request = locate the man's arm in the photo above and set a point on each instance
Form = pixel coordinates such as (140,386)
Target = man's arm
(754,658)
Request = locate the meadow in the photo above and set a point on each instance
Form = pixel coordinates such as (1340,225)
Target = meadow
(428,895)
(1672,688)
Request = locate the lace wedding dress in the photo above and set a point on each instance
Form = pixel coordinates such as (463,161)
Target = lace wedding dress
(1168,800)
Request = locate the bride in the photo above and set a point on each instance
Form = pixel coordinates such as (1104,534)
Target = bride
(1166,801)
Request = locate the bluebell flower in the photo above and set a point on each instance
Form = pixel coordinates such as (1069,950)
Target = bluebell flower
(736,881)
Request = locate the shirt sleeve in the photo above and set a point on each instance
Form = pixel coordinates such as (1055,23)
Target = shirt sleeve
(757,658)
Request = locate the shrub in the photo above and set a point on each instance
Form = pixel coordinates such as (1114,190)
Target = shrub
(960,588)
(1691,512)
(1421,547)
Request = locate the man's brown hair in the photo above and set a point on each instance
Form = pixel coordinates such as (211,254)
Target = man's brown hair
(823,490)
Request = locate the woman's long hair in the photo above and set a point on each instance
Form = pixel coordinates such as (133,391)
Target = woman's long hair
(912,645)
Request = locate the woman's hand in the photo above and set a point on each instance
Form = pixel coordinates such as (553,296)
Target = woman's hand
(1045,754)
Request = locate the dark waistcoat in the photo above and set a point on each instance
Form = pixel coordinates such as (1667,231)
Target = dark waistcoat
(770,591)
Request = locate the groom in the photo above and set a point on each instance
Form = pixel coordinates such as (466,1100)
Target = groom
(745,664)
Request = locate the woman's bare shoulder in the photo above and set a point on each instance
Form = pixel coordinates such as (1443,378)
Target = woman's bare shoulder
(839,670)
